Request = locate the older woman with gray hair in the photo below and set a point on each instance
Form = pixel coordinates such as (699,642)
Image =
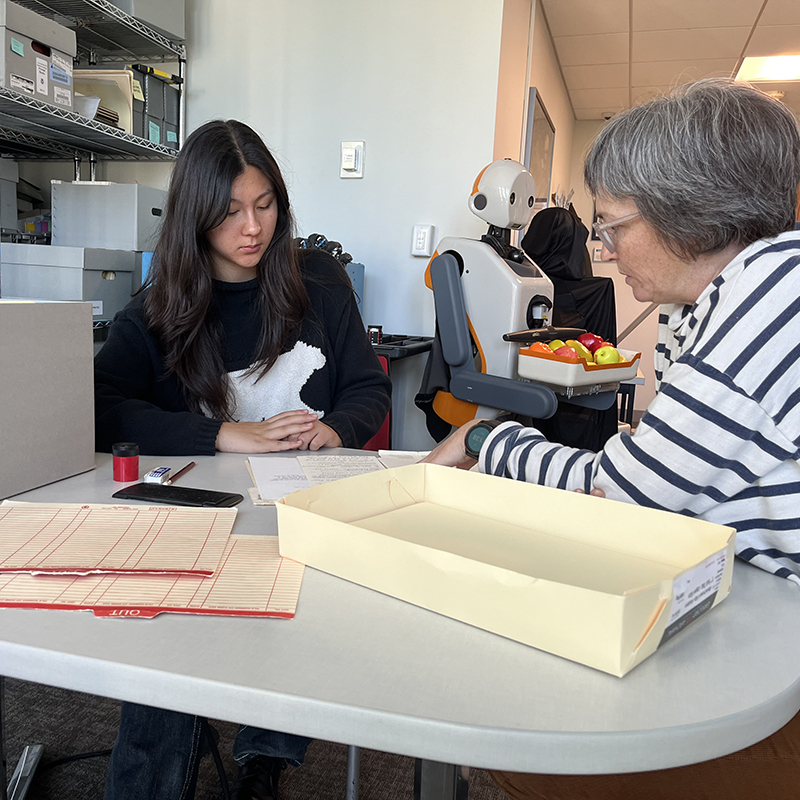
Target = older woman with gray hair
(696,196)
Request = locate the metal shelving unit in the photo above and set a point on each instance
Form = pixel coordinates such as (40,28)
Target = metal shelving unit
(39,131)
(106,33)
(32,130)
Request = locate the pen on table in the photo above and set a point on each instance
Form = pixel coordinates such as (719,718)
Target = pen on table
(180,472)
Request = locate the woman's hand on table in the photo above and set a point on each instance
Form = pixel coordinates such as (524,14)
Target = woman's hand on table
(318,436)
(278,433)
(452,452)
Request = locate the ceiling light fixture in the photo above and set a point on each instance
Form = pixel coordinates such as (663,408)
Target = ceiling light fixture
(774,68)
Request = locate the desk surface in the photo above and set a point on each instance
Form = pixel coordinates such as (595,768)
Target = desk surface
(358,667)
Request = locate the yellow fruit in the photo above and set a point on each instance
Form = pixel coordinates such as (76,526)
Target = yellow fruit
(581,350)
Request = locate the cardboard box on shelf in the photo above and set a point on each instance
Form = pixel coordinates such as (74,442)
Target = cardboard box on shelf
(101,276)
(156,105)
(168,18)
(154,129)
(114,87)
(115,216)
(36,55)
(46,394)
(170,135)
(596,581)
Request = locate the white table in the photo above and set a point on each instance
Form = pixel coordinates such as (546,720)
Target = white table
(361,668)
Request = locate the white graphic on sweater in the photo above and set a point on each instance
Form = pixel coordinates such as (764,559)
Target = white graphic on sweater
(279,390)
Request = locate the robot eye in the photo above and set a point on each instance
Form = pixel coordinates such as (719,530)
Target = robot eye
(530,202)
(512,198)
(479,202)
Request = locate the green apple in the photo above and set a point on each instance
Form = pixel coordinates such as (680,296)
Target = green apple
(607,355)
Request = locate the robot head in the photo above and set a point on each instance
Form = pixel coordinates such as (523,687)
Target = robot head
(503,195)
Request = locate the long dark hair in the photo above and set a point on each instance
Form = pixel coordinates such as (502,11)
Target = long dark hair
(178,304)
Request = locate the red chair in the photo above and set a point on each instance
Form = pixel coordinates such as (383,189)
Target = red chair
(382,439)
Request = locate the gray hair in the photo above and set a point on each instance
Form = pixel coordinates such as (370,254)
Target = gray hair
(712,163)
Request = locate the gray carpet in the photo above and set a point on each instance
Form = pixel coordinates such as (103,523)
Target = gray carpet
(67,723)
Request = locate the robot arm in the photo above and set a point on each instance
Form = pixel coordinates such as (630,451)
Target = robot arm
(465,382)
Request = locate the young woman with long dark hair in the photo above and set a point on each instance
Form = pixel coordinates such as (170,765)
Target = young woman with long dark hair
(239,342)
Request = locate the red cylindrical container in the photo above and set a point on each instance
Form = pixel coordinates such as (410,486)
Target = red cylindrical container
(126,462)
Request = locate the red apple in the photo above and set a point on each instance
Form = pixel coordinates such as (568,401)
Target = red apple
(567,352)
(591,341)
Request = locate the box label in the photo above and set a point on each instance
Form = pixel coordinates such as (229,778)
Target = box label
(97,308)
(22,84)
(62,96)
(59,76)
(172,136)
(693,593)
(17,47)
(137,91)
(153,132)
(41,76)
(64,64)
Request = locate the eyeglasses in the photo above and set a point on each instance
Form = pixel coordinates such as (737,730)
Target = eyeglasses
(604,230)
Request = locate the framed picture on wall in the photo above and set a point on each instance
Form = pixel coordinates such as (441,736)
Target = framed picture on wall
(539,138)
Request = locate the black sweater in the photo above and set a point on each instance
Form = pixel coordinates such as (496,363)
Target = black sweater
(330,368)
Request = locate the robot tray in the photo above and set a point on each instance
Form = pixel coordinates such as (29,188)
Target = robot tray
(575,375)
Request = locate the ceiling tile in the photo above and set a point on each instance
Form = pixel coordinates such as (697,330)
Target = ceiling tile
(597,76)
(604,48)
(654,73)
(595,113)
(578,17)
(686,45)
(608,98)
(641,94)
(781,12)
(663,15)
(775,40)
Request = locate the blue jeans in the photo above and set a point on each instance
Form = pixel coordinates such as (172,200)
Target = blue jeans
(157,753)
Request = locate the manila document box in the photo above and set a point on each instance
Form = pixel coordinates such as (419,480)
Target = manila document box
(46,393)
(596,581)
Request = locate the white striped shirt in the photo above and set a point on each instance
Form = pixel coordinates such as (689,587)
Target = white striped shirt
(721,439)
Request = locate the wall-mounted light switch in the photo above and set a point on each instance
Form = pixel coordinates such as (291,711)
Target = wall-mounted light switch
(351,164)
(422,241)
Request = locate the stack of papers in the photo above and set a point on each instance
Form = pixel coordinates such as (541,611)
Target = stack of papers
(137,561)
(252,580)
(276,476)
(83,539)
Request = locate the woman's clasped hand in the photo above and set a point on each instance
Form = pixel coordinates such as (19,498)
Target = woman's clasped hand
(289,430)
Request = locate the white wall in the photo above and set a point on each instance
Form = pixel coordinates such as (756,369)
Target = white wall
(416,81)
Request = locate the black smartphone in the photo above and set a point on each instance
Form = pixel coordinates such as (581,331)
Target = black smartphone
(178,495)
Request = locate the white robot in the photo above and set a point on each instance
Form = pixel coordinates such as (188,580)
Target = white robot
(503,292)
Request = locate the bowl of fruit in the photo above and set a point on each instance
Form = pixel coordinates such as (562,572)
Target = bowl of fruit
(584,365)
